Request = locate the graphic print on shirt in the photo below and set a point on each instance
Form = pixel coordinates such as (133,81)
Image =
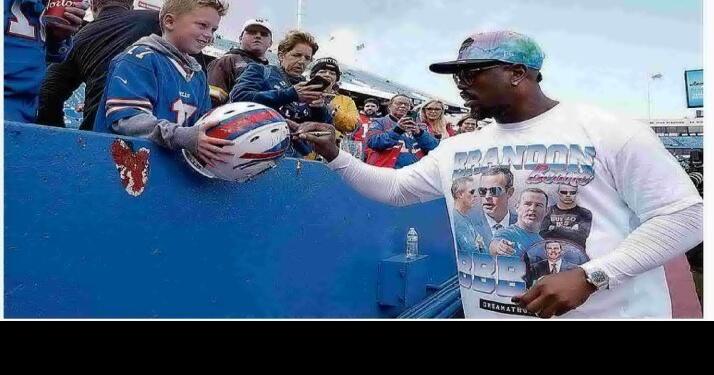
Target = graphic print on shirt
(516,218)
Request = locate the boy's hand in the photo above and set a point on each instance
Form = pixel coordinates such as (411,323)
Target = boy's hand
(74,16)
(210,150)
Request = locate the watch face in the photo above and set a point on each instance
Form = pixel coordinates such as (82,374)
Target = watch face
(599,277)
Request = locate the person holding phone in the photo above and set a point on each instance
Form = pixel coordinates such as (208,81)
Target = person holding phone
(343,109)
(396,140)
(284,88)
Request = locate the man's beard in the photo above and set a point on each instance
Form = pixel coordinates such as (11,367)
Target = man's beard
(483,113)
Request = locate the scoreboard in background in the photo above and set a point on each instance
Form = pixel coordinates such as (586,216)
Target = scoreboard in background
(694,80)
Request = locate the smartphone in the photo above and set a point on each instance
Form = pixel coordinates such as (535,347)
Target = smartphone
(414,116)
(317,80)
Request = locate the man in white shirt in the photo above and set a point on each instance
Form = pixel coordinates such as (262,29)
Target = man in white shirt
(619,165)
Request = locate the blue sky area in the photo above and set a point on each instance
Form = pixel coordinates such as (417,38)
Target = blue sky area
(601,52)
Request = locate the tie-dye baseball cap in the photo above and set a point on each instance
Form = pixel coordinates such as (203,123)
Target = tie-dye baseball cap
(492,46)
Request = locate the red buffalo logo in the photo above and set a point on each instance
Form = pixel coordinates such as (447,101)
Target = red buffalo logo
(133,167)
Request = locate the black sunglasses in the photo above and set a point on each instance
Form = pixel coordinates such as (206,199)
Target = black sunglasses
(466,76)
(495,191)
(573,193)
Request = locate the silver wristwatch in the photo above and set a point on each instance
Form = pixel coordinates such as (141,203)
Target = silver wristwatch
(597,277)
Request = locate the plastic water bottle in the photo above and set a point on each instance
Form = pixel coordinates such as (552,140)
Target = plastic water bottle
(412,243)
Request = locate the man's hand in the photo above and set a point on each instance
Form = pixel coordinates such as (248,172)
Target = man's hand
(74,16)
(555,295)
(308,94)
(292,125)
(210,150)
(502,248)
(407,124)
(326,146)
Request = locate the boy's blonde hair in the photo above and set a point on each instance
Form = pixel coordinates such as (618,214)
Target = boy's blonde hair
(179,7)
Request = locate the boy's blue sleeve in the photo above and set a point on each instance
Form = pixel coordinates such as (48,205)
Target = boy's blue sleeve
(253,87)
(132,89)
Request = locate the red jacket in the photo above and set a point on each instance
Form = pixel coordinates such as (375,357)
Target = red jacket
(361,133)
(389,146)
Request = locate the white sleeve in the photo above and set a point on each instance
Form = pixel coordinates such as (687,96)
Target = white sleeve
(417,183)
(656,188)
(649,179)
(653,244)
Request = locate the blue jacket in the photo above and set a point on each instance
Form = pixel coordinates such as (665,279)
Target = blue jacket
(269,86)
(389,146)
(26,54)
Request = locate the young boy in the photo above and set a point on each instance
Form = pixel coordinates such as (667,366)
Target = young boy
(157,91)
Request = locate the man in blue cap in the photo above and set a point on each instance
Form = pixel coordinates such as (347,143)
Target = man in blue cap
(479,73)
(618,165)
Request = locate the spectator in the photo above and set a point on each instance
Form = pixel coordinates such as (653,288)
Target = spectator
(115,27)
(27,49)
(157,91)
(432,113)
(255,39)
(369,112)
(284,88)
(343,109)
(467,124)
(396,141)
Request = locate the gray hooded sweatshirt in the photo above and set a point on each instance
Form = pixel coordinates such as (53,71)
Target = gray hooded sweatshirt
(160,131)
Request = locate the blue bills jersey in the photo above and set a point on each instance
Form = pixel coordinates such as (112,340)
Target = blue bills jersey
(143,80)
(25,58)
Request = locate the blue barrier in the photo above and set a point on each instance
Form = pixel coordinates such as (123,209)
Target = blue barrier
(287,245)
(443,304)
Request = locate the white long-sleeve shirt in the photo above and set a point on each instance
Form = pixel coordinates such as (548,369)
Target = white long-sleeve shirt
(645,210)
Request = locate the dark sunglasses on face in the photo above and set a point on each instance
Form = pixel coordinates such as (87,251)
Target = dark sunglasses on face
(466,76)
(573,193)
(495,191)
